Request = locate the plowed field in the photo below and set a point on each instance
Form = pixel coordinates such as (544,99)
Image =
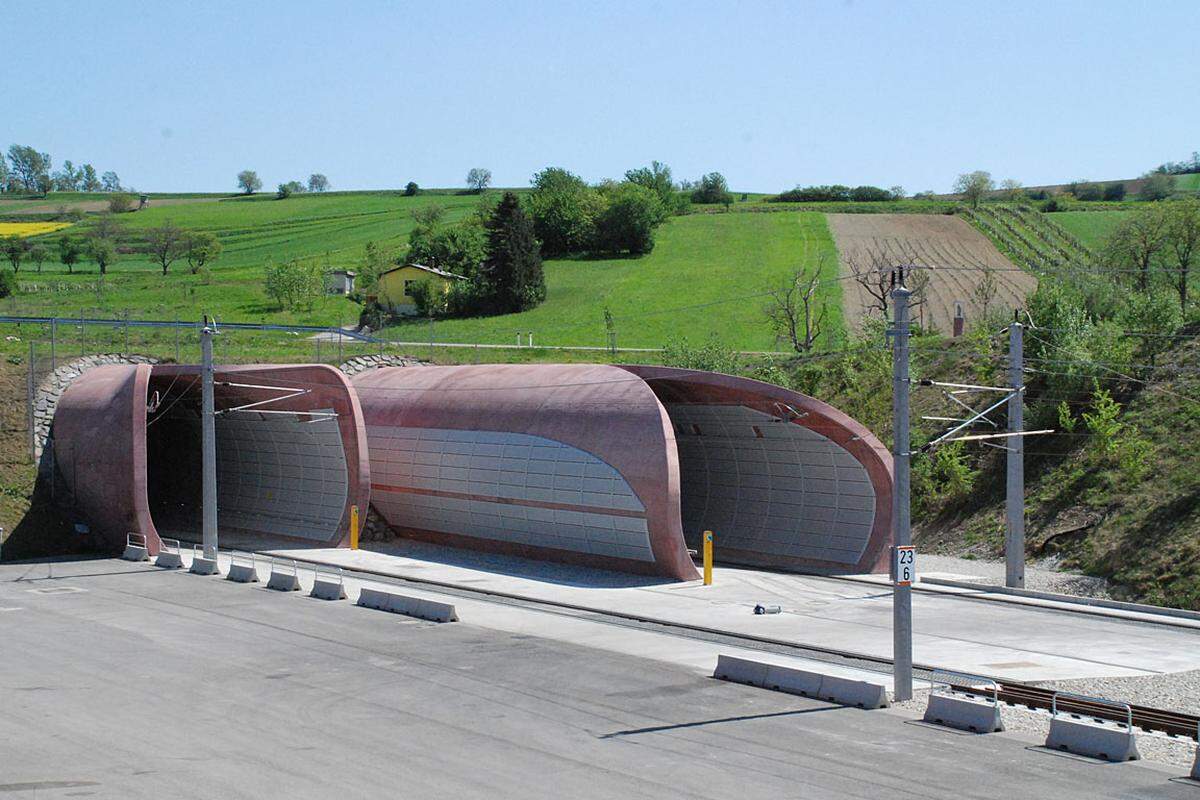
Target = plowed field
(955,256)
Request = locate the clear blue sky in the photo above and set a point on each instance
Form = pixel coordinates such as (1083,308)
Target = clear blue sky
(178,96)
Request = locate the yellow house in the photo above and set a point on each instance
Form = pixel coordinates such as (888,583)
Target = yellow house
(394,285)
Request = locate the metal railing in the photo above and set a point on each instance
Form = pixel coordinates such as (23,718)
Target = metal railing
(1087,698)
(964,683)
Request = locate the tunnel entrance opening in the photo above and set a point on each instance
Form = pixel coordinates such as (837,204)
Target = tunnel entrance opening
(278,473)
(774,488)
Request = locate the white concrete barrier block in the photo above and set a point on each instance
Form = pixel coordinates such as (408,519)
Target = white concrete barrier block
(792,680)
(404,604)
(202,565)
(135,552)
(328,585)
(282,579)
(862,694)
(964,713)
(242,572)
(1096,739)
(168,559)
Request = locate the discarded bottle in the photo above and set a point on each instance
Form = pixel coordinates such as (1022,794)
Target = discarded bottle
(761,609)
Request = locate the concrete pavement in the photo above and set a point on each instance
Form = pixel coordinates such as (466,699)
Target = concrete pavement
(124,681)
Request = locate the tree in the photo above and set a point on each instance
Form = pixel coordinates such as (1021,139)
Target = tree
(1183,240)
(974,186)
(712,188)
(457,248)
(69,251)
(109,182)
(318,182)
(15,250)
(248,182)
(88,181)
(201,249)
(103,252)
(628,221)
(30,169)
(1157,186)
(657,178)
(1138,241)
(513,269)
(897,193)
(479,179)
(166,243)
(38,255)
(5,177)
(291,283)
(120,203)
(1012,189)
(107,227)
(796,309)
(411,189)
(564,210)
(286,190)
(1114,191)
(67,178)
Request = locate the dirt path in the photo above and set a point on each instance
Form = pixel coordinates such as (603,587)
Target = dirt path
(957,257)
(93,206)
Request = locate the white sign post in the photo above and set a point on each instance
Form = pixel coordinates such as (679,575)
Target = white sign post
(905,567)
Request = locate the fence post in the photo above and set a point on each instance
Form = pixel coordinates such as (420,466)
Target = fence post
(708,557)
(176,341)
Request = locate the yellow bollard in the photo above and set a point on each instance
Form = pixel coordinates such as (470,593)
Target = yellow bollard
(708,550)
(353,527)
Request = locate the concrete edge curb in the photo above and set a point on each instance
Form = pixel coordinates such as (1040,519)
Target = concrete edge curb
(793,680)
(407,605)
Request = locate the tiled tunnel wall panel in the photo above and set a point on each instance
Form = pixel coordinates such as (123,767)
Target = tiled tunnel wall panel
(505,486)
(281,473)
(770,487)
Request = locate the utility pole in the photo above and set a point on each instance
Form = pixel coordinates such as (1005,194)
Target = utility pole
(208,445)
(29,417)
(1014,537)
(902,678)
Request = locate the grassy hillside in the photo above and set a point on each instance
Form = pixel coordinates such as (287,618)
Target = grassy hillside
(1091,227)
(705,277)
(716,265)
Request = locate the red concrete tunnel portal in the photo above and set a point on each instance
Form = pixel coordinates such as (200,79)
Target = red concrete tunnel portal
(617,467)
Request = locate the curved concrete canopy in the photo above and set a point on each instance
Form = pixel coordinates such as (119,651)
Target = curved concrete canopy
(570,462)
(624,467)
(130,469)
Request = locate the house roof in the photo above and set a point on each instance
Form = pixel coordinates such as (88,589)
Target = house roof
(347,272)
(432,270)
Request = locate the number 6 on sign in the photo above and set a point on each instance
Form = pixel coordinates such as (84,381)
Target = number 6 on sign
(905,566)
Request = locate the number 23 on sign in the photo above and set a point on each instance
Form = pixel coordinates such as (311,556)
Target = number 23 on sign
(906,565)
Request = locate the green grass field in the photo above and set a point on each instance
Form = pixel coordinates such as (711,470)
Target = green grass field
(1090,227)
(1190,181)
(705,277)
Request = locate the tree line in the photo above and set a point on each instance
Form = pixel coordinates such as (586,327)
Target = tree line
(106,242)
(26,169)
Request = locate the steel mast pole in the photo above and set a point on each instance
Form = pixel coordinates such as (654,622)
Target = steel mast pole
(208,444)
(1014,538)
(902,678)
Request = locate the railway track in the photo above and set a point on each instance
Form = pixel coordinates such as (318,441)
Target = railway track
(1172,723)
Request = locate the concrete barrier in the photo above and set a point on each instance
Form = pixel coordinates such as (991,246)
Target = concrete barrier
(1086,736)
(242,568)
(792,680)
(283,580)
(202,565)
(136,548)
(969,702)
(328,584)
(170,556)
(407,605)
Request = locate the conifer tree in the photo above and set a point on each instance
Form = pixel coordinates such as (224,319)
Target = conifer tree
(513,269)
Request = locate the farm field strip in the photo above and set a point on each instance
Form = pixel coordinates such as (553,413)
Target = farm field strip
(941,243)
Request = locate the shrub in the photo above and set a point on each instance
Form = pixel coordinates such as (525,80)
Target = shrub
(283,192)
(627,224)
(120,202)
(712,356)
(1114,191)
(1157,186)
(867,194)
(815,194)
(1051,205)
(8,283)
(1089,191)
(564,210)
(428,297)
(411,189)
(293,283)
(712,188)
